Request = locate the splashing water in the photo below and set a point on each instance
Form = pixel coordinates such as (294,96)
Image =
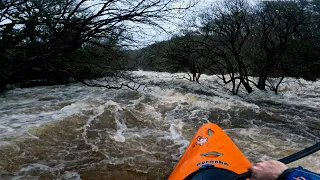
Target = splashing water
(77,132)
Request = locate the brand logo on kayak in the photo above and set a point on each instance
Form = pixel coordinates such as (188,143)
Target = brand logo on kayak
(299,178)
(212,162)
(201,140)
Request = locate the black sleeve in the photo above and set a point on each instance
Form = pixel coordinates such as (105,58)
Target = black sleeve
(285,174)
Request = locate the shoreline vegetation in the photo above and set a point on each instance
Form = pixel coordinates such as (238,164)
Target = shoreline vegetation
(56,42)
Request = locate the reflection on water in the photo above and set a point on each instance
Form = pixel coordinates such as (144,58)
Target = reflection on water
(77,132)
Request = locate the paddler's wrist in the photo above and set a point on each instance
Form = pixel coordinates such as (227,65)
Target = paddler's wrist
(285,174)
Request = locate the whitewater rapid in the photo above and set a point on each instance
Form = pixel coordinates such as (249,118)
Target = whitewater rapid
(78,132)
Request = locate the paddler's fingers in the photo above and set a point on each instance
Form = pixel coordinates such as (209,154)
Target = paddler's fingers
(254,172)
(267,170)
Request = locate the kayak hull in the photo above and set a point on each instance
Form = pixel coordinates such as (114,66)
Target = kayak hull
(210,146)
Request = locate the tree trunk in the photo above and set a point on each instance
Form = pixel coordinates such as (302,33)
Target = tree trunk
(262,82)
(243,77)
(246,86)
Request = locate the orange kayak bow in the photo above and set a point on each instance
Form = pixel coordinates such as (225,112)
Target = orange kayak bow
(212,147)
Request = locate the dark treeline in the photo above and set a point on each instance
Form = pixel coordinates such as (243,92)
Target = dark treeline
(58,41)
(270,40)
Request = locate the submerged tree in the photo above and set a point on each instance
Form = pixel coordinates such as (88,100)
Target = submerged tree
(226,29)
(184,54)
(276,23)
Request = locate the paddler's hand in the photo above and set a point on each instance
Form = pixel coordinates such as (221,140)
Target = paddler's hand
(267,170)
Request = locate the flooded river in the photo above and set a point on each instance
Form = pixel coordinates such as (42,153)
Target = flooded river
(77,132)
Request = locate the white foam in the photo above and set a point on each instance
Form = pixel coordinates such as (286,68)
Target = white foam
(70,176)
(290,88)
(97,112)
(175,134)
(72,109)
(118,136)
(5,143)
(6,129)
(36,167)
(251,132)
(120,125)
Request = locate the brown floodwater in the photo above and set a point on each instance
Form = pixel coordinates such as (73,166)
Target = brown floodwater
(77,132)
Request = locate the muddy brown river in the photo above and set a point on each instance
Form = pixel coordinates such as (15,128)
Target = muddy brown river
(76,132)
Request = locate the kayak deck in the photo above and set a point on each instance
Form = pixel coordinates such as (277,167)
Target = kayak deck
(210,146)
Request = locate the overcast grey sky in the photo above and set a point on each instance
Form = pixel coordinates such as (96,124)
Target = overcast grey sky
(150,35)
(155,36)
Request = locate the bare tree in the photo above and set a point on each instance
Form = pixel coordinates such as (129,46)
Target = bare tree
(226,28)
(275,26)
(35,34)
(184,54)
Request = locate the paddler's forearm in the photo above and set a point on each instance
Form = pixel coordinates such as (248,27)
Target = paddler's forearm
(275,170)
